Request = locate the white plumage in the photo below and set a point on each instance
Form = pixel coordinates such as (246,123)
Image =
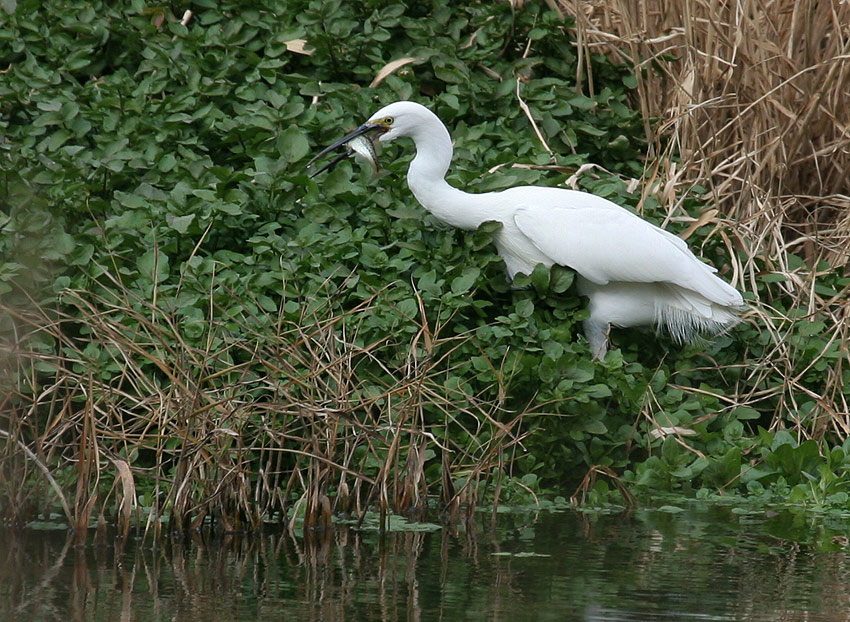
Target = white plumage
(632,272)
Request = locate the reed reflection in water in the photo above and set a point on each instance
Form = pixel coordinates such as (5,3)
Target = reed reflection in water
(702,565)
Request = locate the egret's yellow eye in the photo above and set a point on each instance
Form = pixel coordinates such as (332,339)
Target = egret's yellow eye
(388,121)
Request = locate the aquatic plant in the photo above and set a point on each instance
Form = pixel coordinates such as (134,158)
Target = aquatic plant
(194,330)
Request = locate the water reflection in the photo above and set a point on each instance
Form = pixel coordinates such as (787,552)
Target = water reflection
(703,564)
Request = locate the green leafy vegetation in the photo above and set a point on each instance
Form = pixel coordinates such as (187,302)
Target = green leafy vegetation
(195,327)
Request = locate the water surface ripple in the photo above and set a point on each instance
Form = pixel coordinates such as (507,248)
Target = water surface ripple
(704,563)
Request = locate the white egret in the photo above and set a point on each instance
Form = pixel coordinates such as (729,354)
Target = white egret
(632,272)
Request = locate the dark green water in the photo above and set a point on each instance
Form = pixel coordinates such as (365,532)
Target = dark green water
(705,563)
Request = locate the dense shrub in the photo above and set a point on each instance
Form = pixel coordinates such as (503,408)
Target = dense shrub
(184,300)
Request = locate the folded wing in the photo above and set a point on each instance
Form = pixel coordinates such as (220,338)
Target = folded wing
(604,242)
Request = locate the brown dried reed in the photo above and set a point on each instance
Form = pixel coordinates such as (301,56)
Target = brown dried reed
(280,424)
(753,99)
(753,102)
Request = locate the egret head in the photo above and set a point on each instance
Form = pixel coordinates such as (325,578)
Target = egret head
(398,119)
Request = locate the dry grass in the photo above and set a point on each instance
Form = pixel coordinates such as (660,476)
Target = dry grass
(754,103)
(283,423)
(753,100)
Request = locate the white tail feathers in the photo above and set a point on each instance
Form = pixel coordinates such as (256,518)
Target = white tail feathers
(685,327)
(685,314)
(682,312)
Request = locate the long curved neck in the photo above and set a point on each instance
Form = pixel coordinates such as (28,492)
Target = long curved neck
(426,178)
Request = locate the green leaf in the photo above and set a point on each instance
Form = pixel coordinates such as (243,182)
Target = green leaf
(206,195)
(58,139)
(540,279)
(82,255)
(232,209)
(524,308)
(154,265)
(810,328)
(167,163)
(595,426)
(582,102)
(181,223)
(468,277)
(131,201)
(561,279)
(745,412)
(293,144)
(599,390)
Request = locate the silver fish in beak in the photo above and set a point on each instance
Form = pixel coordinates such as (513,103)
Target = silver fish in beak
(365,148)
(355,142)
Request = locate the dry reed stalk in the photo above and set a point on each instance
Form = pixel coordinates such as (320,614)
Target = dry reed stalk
(232,432)
(754,105)
(753,98)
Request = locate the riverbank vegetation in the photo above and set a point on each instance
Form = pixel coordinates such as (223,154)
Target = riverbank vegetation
(195,330)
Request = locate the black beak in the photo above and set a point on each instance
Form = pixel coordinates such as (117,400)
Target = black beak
(366,127)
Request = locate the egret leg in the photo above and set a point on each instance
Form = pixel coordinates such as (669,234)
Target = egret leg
(597,335)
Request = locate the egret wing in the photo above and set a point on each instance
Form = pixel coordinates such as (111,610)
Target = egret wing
(604,242)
